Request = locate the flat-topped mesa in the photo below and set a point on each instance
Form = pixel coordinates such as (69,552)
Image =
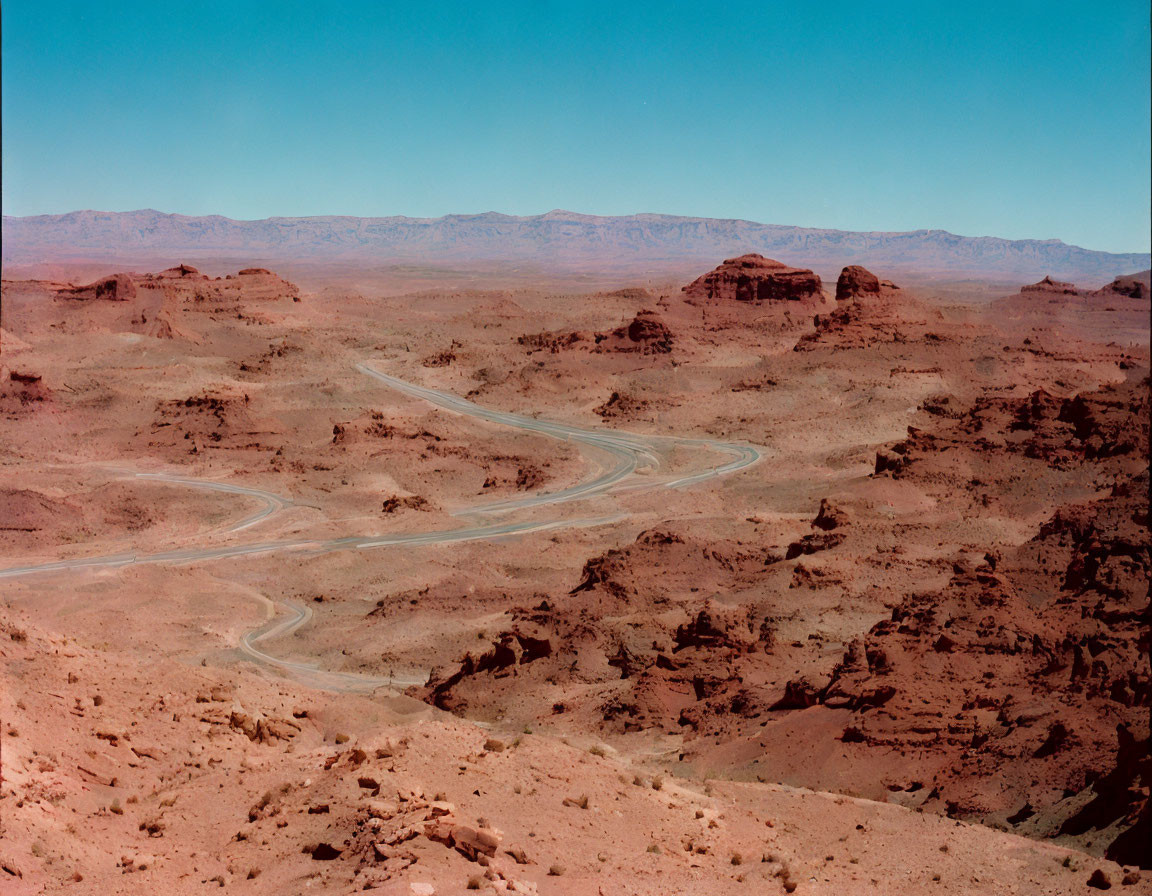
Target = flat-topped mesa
(114,288)
(261,283)
(249,283)
(754,278)
(1052,286)
(855,282)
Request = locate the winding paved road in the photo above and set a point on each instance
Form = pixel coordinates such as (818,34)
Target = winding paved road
(628,453)
(272,503)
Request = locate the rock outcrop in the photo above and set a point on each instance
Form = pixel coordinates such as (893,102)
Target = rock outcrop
(21,393)
(856,282)
(260,283)
(181,272)
(646,334)
(186,281)
(871,311)
(1052,286)
(1133,286)
(829,517)
(115,288)
(754,278)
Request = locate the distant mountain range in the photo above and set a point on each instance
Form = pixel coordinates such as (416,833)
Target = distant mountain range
(559,238)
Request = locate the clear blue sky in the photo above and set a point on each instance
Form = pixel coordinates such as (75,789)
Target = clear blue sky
(1016,119)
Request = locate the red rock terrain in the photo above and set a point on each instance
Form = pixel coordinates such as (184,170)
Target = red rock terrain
(22,393)
(906,650)
(1118,311)
(855,282)
(116,288)
(754,278)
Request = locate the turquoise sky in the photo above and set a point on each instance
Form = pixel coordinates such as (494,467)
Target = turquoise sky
(1013,119)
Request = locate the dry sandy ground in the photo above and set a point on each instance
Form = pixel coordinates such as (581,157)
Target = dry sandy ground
(905,651)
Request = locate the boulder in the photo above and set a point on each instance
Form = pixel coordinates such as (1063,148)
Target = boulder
(470,842)
(830,517)
(323,852)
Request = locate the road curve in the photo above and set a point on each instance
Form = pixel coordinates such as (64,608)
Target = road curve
(628,453)
(272,502)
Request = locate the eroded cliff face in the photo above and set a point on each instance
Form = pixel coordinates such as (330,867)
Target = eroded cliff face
(754,278)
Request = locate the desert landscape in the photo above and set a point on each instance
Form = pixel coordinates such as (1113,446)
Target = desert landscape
(575,448)
(808,573)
